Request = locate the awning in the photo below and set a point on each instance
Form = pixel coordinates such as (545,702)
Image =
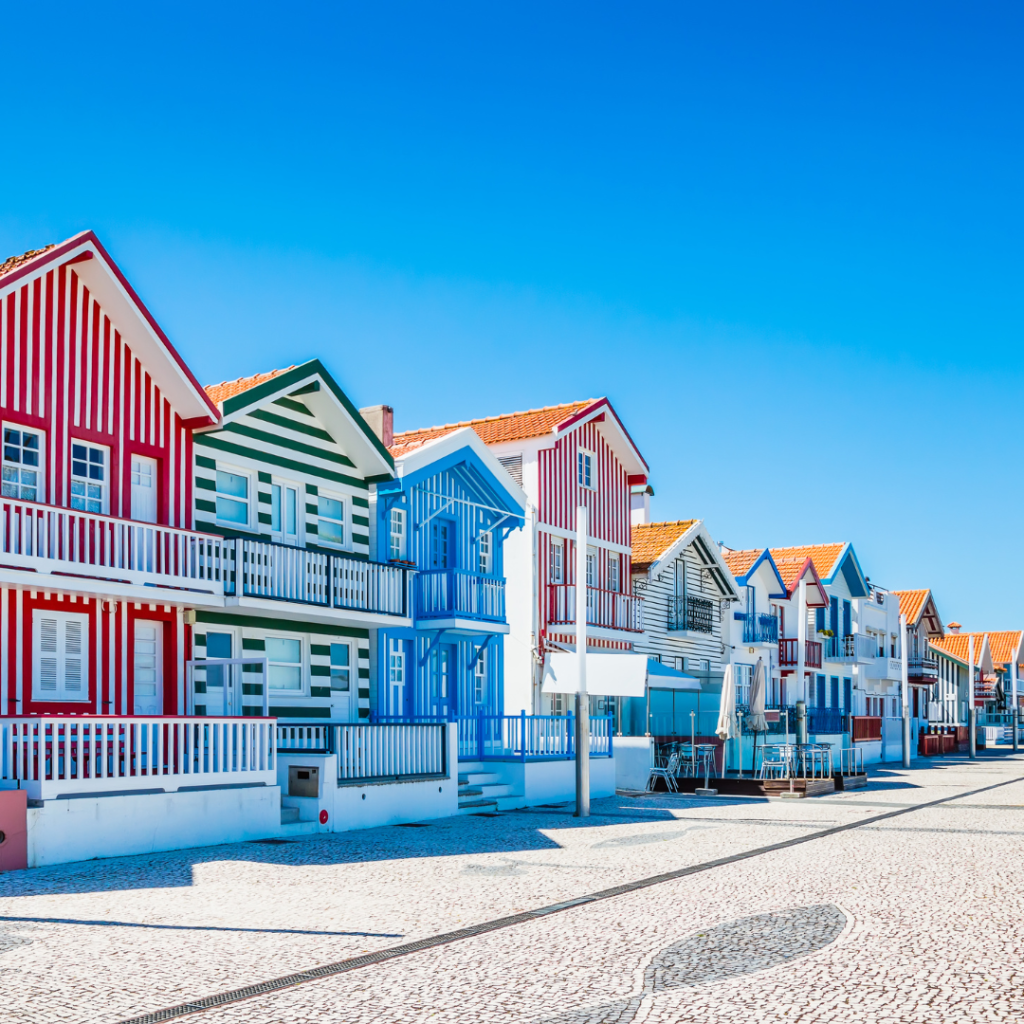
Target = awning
(613,675)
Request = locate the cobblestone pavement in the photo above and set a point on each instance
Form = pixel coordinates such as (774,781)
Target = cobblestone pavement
(915,918)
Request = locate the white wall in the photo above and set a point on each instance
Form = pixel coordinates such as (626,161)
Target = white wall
(115,826)
(632,761)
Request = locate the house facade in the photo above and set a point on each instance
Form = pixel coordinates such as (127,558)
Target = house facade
(563,456)
(100,558)
(446,514)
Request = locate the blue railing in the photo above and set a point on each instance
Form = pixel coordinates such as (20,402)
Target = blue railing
(526,737)
(826,720)
(451,593)
(760,628)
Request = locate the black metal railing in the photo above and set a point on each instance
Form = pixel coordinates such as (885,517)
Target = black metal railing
(760,628)
(693,613)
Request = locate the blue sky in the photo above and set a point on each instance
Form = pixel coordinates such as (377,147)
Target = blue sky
(784,238)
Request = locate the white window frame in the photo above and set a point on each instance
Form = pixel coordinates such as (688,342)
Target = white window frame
(303,663)
(480,677)
(485,553)
(282,483)
(593,572)
(41,468)
(105,500)
(61,694)
(585,457)
(251,499)
(397,551)
(346,520)
(614,570)
(396,659)
(744,679)
(556,544)
(352,666)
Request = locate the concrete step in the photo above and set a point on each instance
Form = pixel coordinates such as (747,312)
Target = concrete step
(478,778)
(476,806)
(289,815)
(299,828)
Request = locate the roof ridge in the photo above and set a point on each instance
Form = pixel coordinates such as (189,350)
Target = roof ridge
(668,522)
(499,416)
(229,388)
(13,262)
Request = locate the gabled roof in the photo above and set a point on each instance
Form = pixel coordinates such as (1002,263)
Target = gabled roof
(957,646)
(229,388)
(136,325)
(1005,644)
(829,560)
(743,565)
(657,544)
(918,605)
(328,403)
(521,426)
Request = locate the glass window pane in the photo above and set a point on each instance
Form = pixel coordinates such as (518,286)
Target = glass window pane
(289,519)
(275,508)
(232,511)
(285,677)
(283,649)
(330,532)
(329,507)
(339,654)
(233,484)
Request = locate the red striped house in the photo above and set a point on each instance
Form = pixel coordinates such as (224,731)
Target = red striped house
(564,456)
(98,560)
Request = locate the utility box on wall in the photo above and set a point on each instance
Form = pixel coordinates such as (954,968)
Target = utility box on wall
(303,780)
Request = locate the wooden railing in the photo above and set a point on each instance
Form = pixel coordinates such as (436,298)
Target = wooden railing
(51,756)
(385,752)
(451,593)
(788,652)
(605,608)
(283,573)
(48,538)
(865,728)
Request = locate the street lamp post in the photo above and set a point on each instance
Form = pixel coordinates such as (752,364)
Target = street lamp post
(582,698)
(905,688)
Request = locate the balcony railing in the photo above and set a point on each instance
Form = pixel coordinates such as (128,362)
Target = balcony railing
(760,628)
(283,573)
(454,593)
(529,737)
(865,728)
(923,669)
(693,613)
(47,538)
(788,653)
(827,721)
(855,648)
(606,609)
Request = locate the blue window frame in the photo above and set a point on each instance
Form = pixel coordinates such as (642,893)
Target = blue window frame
(847,628)
(442,544)
(848,694)
(833,615)
(820,696)
(834,694)
(819,619)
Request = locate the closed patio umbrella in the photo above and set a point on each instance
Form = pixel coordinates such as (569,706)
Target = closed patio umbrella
(755,718)
(726,728)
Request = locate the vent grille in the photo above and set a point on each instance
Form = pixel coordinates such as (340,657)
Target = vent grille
(514,465)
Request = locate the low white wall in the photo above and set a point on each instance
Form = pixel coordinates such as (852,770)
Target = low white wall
(115,826)
(548,782)
(632,761)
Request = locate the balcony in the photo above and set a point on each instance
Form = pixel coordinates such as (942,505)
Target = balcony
(922,671)
(454,594)
(759,629)
(852,649)
(696,614)
(82,545)
(826,721)
(278,572)
(885,668)
(606,609)
(788,653)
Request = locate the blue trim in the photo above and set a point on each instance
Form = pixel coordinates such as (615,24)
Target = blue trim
(765,555)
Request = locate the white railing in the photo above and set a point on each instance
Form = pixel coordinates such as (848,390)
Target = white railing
(52,756)
(304,737)
(378,752)
(216,687)
(48,538)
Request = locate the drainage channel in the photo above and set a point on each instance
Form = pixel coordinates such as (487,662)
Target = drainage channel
(431,942)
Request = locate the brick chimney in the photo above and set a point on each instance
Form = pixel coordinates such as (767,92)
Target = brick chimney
(381,420)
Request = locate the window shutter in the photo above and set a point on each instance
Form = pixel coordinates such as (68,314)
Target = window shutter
(48,655)
(73,655)
(60,656)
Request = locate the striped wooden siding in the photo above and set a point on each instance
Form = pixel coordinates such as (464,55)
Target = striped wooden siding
(65,369)
(111,652)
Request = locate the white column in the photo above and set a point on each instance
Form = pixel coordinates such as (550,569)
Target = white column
(582,699)
(801,640)
(905,688)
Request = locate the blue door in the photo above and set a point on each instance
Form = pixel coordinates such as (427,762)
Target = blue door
(847,628)
(442,536)
(820,696)
(443,696)
(834,695)
(847,695)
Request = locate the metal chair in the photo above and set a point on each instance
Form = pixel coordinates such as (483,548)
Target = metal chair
(774,758)
(668,773)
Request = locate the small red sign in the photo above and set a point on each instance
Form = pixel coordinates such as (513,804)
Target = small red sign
(323,817)
(771,716)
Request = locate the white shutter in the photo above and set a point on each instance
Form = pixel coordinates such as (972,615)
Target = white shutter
(60,661)
(48,629)
(73,655)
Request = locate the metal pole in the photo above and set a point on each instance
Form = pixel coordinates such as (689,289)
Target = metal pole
(904,673)
(1013,698)
(801,641)
(582,698)
(972,714)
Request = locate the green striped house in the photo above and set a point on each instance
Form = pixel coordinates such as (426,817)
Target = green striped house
(285,478)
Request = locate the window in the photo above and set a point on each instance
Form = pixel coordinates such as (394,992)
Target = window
(88,477)
(833,685)
(341,668)
(396,535)
(557,560)
(591,569)
(848,694)
(484,553)
(60,656)
(23,475)
(284,512)
(284,663)
(331,521)
(480,677)
(613,572)
(744,677)
(233,497)
(584,466)
(396,676)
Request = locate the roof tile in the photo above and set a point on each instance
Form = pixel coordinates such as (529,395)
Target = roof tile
(911,603)
(13,262)
(739,562)
(228,389)
(650,540)
(789,561)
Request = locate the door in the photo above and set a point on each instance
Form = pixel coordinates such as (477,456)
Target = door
(149,675)
(143,489)
(284,512)
(219,678)
(442,681)
(442,536)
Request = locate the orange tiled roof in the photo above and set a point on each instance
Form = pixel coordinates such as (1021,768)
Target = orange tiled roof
(790,560)
(13,262)
(228,389)
(649,540)
(739,562)
(911,603)
(513,426)
(956,644)
(1003,643)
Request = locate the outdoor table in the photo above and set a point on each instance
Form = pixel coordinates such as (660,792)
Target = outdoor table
(816,754)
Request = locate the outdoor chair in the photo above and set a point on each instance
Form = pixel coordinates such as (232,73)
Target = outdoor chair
(774,762)
(668,773)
